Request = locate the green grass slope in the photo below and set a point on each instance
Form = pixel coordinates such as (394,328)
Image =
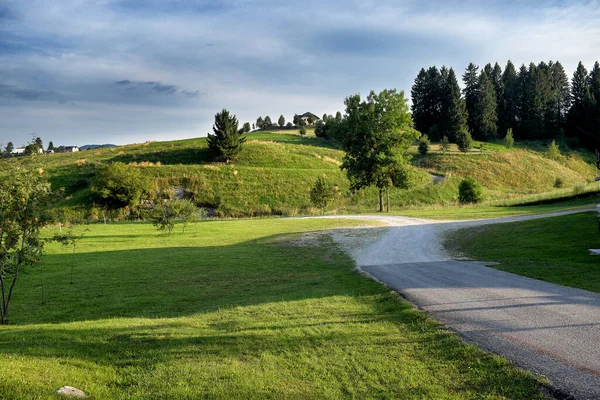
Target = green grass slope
(551,249)
(245,309)
(276,169)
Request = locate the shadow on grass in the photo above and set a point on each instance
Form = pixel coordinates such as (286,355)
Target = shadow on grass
(191,156)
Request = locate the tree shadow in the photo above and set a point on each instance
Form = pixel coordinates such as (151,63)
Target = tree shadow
(190,156)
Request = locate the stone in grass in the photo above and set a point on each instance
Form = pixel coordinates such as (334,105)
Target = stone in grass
(70,391)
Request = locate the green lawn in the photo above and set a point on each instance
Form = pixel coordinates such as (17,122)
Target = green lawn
(242,310)
(551,249)
(483,211)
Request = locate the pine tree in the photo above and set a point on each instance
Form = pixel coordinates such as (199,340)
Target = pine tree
(508,107)
(580,116)
(226,142)
(464,140)
(454,108)
(418,94)
(486,118)
(594,83)
(471,92)
(51,146)
(281,121)
(9,147)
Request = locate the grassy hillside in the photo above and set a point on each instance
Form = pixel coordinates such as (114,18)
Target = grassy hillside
(276,169)
(245,309)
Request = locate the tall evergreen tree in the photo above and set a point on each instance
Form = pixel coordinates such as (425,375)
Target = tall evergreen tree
(594,83)
(51,146)
(454,108)
(580,116)
(418,94)
(9,147)
(226,142)
(508,107)
(486,117)
(530,105)
(471,82)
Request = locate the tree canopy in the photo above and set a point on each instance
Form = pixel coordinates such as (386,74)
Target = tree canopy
(376,134)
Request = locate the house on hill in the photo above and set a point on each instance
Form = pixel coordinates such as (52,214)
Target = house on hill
(70,149)
(18,152)
(305,117)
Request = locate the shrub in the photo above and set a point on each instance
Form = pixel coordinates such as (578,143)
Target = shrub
(558,183)
(464,140)
(321,193)
(302,130)
(509,141)
(469,191)
(289,125)
(118,185)
(164,214)
(444,145)
(553,151)
(424,145)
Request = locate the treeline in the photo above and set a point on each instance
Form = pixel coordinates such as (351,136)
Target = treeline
(536,102)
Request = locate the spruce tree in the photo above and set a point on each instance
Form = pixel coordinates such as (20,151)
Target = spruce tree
(51,146)
(455,111)
(486,118)
(471,92)
(508,107)
(418,94)
(581,112)
(226,142)
(594,83)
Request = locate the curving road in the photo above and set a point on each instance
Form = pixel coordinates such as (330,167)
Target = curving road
(545,328)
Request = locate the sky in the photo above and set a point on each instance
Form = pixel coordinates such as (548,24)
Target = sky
(81,72)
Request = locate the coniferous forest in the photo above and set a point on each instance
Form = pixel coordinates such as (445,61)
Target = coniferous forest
(537,102)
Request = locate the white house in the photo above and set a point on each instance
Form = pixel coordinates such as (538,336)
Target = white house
(71,149)
(18,152)
(304,117)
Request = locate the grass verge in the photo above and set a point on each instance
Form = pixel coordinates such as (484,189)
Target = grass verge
(244,309)
(551,249)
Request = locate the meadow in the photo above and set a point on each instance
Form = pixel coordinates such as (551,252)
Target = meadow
(551,249)
(276,169)
(231,309)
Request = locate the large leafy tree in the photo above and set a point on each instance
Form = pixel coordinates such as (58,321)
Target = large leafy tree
(24,205)
(376,135)
(281,121)
(226,142)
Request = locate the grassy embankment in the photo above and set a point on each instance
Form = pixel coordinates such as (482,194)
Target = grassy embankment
(275,171)
(239,311)
(551,249)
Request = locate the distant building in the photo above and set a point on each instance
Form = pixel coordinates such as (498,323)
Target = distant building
(304,117)
(18,152)
(71,149)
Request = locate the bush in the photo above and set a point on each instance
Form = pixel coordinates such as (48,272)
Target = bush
(444,145)
(509,141)
(118,185)
(553,151)
(469,191)
(424,145)
(321,193)
(164,214)
(558,183)
(464,140)
(289,125)
(302,130)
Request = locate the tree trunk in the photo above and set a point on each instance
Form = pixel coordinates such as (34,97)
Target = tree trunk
(380,200)
(387,199)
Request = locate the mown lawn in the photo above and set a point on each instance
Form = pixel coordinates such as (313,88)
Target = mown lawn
(243,309)
(551,249)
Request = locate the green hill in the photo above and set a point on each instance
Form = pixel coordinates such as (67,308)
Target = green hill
(275,171)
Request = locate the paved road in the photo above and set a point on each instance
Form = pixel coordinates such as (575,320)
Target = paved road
(548,329)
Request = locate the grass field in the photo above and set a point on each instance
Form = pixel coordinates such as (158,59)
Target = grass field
(274,173)
(245,309)
(551,249)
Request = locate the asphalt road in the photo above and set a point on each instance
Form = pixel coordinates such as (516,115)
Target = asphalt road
(545,328)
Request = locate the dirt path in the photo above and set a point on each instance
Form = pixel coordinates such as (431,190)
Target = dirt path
(548,329)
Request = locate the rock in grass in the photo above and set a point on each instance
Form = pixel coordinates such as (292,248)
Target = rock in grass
(70,391)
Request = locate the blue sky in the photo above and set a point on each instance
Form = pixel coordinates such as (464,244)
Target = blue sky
(125,71)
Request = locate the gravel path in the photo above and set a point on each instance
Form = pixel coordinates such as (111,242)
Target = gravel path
(548,329)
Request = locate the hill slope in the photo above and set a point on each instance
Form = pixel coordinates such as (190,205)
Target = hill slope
(275,171)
